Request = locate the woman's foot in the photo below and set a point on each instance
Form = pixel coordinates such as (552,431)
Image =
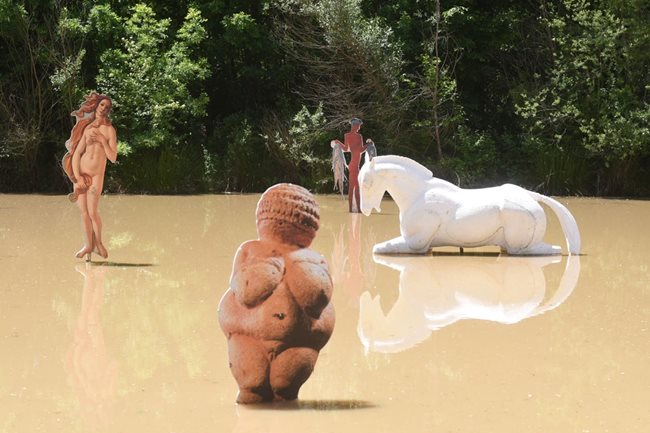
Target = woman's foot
(101,250)
(82,252)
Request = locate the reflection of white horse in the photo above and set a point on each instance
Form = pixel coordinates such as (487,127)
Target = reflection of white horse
(434,212)
(435,292)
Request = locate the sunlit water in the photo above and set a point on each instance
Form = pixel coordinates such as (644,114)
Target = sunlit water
(444,343)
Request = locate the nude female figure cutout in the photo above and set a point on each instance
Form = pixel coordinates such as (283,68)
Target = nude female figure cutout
(92,142)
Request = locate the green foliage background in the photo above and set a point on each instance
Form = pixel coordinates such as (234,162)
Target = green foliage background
(235,95)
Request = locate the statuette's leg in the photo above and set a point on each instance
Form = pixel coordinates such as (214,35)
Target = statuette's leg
(290,370)
(250,367)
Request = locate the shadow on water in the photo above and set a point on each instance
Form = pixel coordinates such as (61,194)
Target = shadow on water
(472,254)
(296,416)
(313,405)
(466,253)
(122,265)
(446,254)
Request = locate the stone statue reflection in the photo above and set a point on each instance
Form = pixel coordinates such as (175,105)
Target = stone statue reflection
(91,370)
(438,291)
(92,142)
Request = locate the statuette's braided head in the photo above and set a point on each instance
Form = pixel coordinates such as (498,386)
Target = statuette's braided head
(288,213)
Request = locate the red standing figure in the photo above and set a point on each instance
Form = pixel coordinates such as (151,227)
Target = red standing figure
(353,143)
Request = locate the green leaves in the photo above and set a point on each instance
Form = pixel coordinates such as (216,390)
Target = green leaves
(103,20)
(590,100)
(296,144)
(240,29)
(585,96)
(150,78)
(549,94)
(10,12)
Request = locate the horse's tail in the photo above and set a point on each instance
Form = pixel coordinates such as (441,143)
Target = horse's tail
(568,223)
(568,283)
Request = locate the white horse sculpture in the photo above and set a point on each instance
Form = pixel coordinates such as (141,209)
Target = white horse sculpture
(433,212)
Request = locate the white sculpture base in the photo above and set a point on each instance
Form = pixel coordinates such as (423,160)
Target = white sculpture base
(434,212)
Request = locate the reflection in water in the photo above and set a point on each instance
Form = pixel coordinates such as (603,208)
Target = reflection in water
(348,265)
(583,366)
(92,372)
(435,292)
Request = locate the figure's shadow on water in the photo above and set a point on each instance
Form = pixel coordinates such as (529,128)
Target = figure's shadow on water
(465,253)
(473,254)
(122,265)
(298,416)
(312,405)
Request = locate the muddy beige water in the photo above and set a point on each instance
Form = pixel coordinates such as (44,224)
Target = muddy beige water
(477,343)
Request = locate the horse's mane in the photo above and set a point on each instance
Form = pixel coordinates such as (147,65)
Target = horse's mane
(408,164)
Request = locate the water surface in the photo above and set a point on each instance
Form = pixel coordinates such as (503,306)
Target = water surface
(473,343)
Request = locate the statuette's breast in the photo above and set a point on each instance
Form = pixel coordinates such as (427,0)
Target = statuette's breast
(309,281)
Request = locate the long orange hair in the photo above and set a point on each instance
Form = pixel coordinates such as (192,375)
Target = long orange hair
(84,116)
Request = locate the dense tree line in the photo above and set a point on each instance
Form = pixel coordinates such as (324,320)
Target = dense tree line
(234,95)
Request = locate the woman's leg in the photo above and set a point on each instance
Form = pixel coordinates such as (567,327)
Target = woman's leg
(82,202)
(94,193)
(353,190)
(357,199)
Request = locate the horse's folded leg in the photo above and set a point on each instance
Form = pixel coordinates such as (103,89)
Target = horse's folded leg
(538,249)
(399,246)
(418,244)
(393,246)
(383,248)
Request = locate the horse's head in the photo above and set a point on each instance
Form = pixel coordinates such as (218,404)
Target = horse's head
(371,192)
